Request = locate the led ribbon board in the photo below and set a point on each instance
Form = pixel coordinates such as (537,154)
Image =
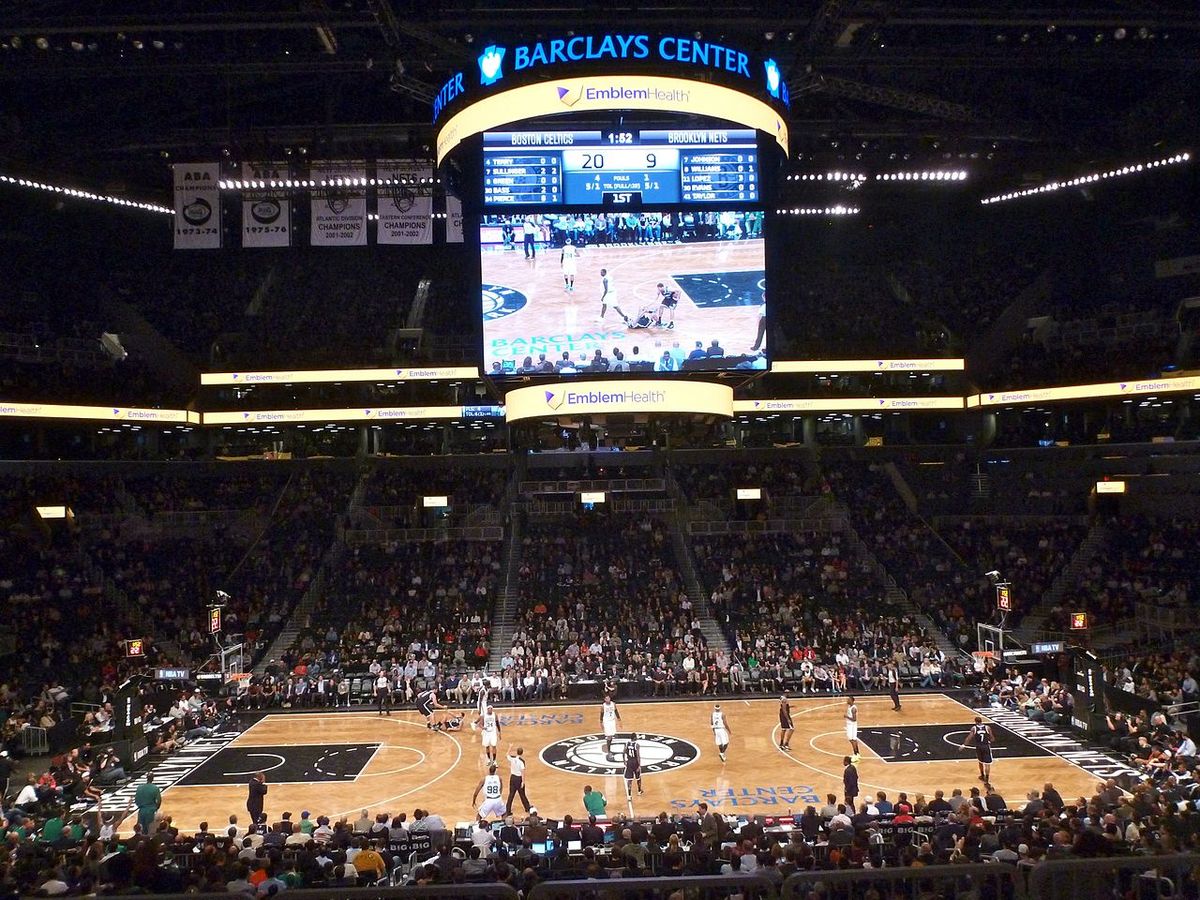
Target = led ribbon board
(605,93)
(607,397)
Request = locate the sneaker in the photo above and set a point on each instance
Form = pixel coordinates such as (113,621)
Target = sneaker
(670,325)
(856,759)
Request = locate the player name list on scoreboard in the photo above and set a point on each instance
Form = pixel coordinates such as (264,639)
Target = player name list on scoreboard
(518,178)
(716,175)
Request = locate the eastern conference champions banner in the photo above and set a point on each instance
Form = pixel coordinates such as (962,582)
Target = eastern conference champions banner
(339,208)
(197,206)
(266,214)
(405,210)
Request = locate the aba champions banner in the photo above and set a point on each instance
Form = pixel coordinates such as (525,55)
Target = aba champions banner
(266,214)
(405,207)
(454,220)
(339,205)
(197,206)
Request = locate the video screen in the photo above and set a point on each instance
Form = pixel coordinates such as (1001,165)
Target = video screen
(600,293)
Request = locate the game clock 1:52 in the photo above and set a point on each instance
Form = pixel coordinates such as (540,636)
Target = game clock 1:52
(620,167)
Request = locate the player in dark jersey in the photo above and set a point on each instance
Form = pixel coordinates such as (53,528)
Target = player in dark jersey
(786,727)
(633,766)
(427,702)
(982,737)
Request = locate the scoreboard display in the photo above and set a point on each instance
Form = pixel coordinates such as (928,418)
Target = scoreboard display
(620,168)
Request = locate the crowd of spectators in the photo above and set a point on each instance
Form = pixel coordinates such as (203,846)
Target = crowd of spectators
(76,596)
(404,487)
(801,611)
(419,612)
(599,597)
(54,852)
(1147,560)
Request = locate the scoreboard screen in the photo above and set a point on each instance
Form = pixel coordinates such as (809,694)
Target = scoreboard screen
(615,169)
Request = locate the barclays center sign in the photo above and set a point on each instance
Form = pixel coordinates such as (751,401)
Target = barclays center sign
(558,57)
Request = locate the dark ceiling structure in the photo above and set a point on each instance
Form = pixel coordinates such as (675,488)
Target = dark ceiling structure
(109,91)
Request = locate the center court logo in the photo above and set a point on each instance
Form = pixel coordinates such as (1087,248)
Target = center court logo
(584,755)
(499,301)
(491,62)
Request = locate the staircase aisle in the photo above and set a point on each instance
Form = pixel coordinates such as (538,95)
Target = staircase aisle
(316,588)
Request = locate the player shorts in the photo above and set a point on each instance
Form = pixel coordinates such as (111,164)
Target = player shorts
(852,731)
(425,709)
(569,268)
(785,723)
(489,738)
(671,300)
(610,729)
(984,755)
(721,736)
(492,809)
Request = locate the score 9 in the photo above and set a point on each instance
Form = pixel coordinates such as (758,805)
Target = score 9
(621,159)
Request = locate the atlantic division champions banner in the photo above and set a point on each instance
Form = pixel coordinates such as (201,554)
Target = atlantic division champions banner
(339,205)
(266,214)
(454,220)
(405,209)
(197,206)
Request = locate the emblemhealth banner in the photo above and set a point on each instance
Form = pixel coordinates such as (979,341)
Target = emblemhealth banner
(103,413)
(359,414)
(405,209)
(1087,391)
(327,376)
(847,404)
(601,93)
(197,206)
(816,366)
(592,398)
(266,213)
(339,205)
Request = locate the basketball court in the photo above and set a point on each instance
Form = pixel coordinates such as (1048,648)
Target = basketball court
(337,764)
(527,311)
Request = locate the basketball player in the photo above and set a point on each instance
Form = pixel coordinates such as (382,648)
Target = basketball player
(489,737)
(568,261)
(493,802)
(608,296)
(633,766)
(786,727)
(610,717)
(667,301)
(893,680)
(720,730)
(427,702)
(483,699)
(851,716)
(982,736)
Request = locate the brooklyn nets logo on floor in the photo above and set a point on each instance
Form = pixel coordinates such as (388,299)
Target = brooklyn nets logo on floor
(584,755)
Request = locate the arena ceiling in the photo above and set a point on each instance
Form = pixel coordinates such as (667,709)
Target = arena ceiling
(108,91)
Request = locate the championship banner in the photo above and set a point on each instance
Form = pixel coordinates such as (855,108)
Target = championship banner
(266,214)
(197,206)
(454,220)
(339,205)
(405,210)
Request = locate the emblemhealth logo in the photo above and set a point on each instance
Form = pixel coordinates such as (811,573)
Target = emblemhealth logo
(553,400)
(569,96)
(491,62)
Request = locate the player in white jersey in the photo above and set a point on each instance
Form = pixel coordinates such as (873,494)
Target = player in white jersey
(569,262)
(489,736)
(483,694)
(493,801)
(720,730)
(851,717)
(608,295)
(610,717)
